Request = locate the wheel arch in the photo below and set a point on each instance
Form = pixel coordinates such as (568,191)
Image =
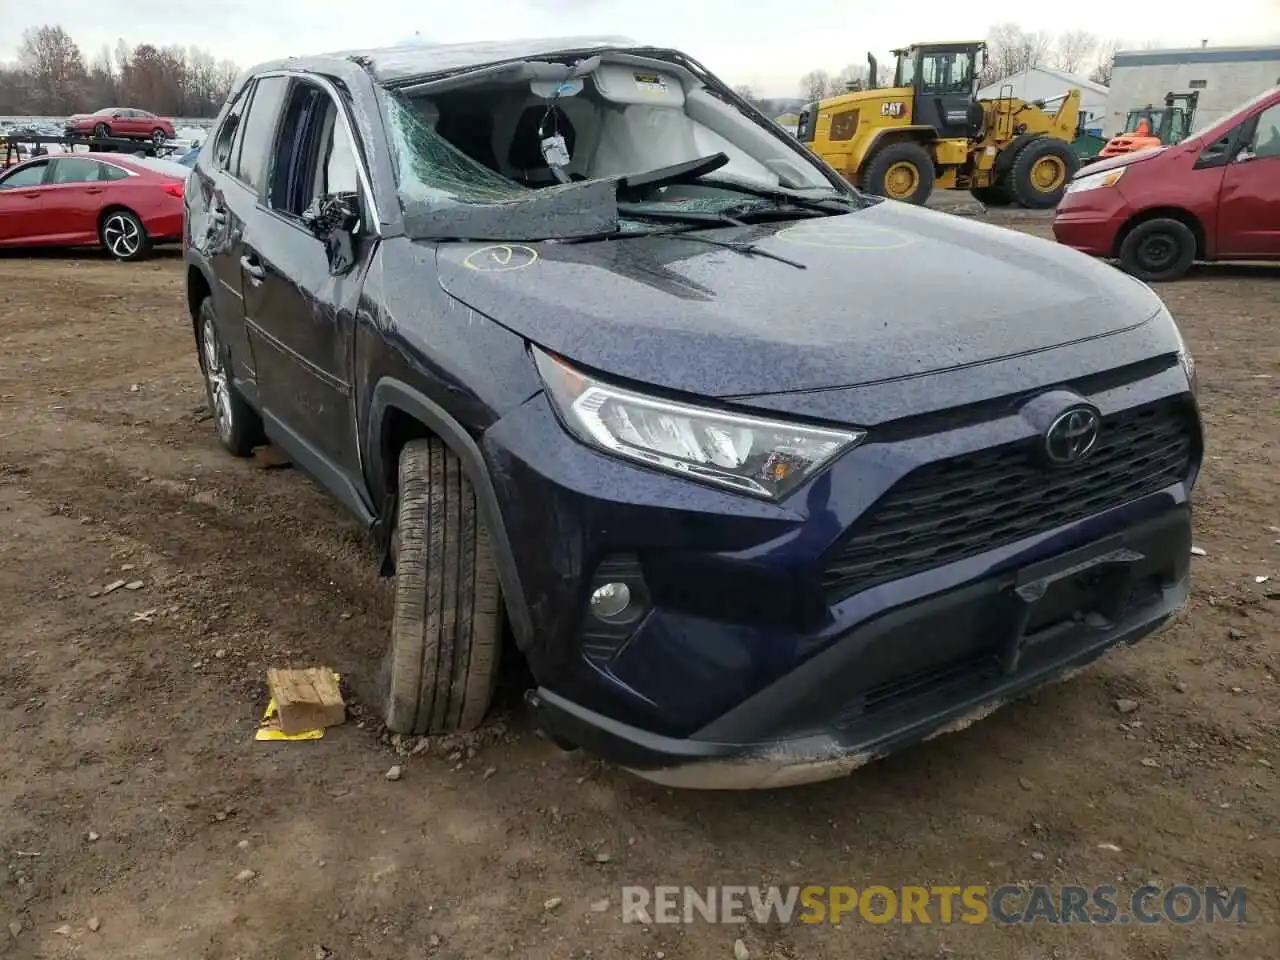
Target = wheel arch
(199,288)
(1181,214)
(887,136)
(399,413)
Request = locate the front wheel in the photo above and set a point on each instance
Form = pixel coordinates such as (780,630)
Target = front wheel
(124,236)
(900,171)
(158,137)
(1158,250)
(101,130)
(446,627)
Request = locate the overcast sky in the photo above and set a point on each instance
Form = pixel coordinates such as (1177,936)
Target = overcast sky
(768,44)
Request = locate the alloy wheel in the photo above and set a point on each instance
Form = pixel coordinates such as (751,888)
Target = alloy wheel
(216,376)
(122,235)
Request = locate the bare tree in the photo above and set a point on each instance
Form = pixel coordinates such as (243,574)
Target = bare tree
(224,78)
(853,77)
(54,67)
(1011,50)
(1073,50)
(745,91)
(1101,72)
(102,88)
(815,84)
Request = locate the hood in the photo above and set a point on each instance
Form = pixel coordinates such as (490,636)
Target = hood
(1123,160)
(891,291)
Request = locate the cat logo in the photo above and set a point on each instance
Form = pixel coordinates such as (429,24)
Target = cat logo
(892,108)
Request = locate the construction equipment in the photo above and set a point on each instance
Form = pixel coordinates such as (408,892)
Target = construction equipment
(930,130)
(1150,126)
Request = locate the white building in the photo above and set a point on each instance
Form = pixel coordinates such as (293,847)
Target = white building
(1225,77)
(1041,83)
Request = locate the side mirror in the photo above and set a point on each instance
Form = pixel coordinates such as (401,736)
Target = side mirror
(334,219)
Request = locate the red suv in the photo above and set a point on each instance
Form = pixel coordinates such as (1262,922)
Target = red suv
(1214,196)
(124,122)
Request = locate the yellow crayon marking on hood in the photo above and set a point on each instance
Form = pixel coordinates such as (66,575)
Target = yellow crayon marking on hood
(498,257)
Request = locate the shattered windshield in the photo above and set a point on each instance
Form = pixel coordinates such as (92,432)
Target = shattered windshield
(433,169)
(514,158)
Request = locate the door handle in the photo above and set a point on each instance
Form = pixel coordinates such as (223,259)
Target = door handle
(94,190)
(32,196)
(253,268)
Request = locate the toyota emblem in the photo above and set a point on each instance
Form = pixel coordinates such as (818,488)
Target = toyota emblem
(1071,437)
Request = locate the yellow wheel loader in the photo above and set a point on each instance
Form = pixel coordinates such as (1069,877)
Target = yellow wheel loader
(929,130)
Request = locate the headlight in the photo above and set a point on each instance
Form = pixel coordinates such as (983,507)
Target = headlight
(754,455)
(1185,358)
(1108,178)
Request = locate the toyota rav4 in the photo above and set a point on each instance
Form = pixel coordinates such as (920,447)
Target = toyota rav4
(767,478)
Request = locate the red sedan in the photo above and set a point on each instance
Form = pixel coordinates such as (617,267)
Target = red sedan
(124,122)
(124,203)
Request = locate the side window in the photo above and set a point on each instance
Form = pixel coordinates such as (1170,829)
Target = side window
(110,172)
(1216,153)
(908,65)
(30,176)
(74,170)
(340,163)
(260,131)
(946,73)
(225,141)
(314,156)
(1266,137)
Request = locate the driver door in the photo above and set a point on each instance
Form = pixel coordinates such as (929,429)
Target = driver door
(944,91)
(1249,199)
(301,317)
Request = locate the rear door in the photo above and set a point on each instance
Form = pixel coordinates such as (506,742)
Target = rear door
(1249,202)
(230,175)
(299,315)
(21,203)
(130,124)
(72,199)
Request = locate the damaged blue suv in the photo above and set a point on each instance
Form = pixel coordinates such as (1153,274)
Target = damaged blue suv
(767,478)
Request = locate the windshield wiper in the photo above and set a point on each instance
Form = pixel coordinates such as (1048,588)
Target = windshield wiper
(690,171)
(833,203)
(699,220)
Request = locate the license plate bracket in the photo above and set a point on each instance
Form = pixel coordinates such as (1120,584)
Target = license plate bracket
(1108,565)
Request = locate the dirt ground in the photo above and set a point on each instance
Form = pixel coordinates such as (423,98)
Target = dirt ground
(132,793)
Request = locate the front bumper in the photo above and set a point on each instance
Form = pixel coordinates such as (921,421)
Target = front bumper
(1002,637)
(1090,221)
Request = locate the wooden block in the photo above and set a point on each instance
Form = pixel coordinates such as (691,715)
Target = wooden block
(306,699)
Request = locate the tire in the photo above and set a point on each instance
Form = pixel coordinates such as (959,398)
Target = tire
(993,196)
(1040,172)
(1158,250)
(238,425)
(101,130)
(158,137)
(124,236)
(885,174)
(446,627)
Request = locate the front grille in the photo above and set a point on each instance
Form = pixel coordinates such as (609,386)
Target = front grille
(959,508)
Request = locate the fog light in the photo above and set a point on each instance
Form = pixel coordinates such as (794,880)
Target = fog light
(610,601)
